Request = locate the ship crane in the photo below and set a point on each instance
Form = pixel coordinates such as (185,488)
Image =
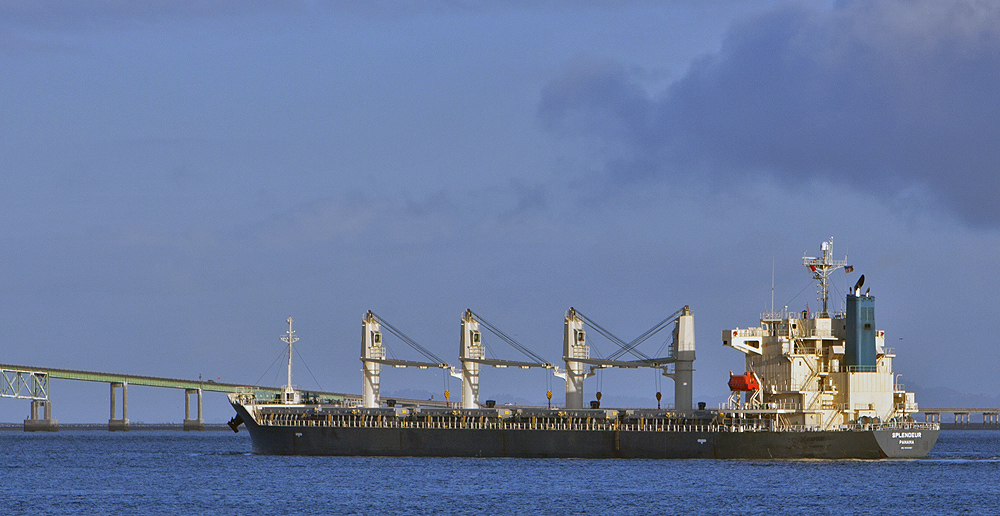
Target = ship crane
(472,354)
(576,354)
(373,356)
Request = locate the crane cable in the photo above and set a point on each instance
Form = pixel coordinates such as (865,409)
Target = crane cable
(506,338)
(623,346)
(630,348)
(410,342)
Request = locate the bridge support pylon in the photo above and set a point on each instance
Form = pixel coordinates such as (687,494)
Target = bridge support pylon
(192,424)
(119,425)
(44,423)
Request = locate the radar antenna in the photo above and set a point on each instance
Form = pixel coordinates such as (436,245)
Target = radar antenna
(821,269)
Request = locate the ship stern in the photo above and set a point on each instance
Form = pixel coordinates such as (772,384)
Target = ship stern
(906,443)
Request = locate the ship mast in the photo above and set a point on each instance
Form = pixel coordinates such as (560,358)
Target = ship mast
(289,338)
(821,269)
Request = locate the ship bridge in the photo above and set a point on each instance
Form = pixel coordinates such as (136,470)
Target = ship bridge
(827,369)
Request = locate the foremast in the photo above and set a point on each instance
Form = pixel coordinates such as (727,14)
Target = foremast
(289,395)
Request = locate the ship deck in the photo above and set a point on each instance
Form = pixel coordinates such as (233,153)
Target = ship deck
(597,420)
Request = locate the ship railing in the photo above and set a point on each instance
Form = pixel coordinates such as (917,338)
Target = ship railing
(804,428)
(730,424)
(803,333)
(820,428)
(805,349)
(783,405)
(244,395)
(750,332)
(771,405)
(780,315)
(811,347)
(459,422)
(901,425)
(773,315)
(815,333)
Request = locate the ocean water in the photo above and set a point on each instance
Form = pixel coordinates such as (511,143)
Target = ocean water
(173,472)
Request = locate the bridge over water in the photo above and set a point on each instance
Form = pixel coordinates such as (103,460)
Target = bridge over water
(991,416)
(32,383)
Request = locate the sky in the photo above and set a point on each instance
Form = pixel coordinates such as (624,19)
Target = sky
(177,178)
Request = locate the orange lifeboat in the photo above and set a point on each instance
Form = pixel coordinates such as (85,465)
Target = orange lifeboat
(743,382)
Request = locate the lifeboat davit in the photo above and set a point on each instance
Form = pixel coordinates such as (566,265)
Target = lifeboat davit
(743,382)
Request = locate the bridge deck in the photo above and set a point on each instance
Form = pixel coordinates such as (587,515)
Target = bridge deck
(178,383)
(959,410)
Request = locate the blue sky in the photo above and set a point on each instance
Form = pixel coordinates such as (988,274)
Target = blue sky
(180,177)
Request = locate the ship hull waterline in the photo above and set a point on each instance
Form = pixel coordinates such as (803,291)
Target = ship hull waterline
(587,444)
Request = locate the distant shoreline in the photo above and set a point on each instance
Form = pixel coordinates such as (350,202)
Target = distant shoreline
(132,426)
(968,426)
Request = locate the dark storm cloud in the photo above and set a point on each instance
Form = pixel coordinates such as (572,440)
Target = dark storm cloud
(884,96)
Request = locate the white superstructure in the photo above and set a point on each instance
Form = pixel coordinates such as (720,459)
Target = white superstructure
(820,370)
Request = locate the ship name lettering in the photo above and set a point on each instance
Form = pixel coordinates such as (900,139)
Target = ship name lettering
(906,435)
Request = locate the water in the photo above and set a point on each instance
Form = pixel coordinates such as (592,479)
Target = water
(172,472)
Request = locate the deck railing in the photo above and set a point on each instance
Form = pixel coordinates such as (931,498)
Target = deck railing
(652,424)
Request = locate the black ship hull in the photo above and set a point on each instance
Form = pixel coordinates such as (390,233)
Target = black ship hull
(611,444)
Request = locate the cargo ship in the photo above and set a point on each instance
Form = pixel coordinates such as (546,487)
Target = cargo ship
(815,386)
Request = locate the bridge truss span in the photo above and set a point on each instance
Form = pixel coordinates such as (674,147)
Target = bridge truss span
(24,384)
